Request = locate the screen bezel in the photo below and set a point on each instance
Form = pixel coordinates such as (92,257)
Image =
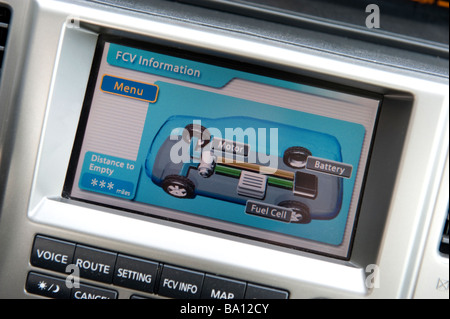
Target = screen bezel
(217,60)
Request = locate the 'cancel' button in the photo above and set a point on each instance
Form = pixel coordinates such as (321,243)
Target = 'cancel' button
(91,292)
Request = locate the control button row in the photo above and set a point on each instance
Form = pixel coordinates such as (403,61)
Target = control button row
(141,274)
(57,288)
(180,283)
(95,264)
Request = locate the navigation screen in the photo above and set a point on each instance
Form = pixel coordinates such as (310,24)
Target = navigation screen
(204,142)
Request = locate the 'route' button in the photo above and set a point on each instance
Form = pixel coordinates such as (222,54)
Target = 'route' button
(52,254)
(95,264)
(180,283)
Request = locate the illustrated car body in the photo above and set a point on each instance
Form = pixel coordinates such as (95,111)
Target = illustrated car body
(246,172)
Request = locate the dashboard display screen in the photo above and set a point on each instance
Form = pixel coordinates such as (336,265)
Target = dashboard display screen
(230,147)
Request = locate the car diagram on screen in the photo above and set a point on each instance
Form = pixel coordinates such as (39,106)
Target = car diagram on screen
(282,188)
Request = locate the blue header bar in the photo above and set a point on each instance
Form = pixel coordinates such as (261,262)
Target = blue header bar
(168,66)
(197,72)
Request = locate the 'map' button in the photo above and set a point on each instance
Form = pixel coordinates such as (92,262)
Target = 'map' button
(215,287)
(128,88)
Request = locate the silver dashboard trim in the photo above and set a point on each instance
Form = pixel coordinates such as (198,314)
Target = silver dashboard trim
(45,122)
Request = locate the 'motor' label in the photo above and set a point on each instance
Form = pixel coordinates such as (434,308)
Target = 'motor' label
(230,147)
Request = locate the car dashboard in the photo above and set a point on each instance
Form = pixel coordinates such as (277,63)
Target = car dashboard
(224,149)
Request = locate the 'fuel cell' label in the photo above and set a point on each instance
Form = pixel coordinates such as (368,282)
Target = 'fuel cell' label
(279,213)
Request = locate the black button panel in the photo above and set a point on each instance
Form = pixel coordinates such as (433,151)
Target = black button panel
(130,272)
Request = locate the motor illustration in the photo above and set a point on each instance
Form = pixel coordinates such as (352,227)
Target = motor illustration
(266,173)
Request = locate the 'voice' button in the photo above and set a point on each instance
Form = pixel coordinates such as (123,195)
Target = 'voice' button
(52,254)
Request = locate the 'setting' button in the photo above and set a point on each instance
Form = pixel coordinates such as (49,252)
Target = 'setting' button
(94,263)
(51,253)
(135,273)
(180,283)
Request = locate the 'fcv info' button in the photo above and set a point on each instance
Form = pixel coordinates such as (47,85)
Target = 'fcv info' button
(128,88)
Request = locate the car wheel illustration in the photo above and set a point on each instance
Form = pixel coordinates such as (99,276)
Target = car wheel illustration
(296,156)
(179,186)
(198,131)
(300,211)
